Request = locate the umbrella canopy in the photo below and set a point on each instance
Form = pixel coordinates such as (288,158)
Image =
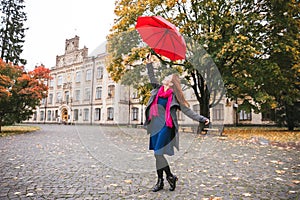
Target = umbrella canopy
(162,36)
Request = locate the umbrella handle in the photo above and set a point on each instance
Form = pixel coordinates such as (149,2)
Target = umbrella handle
(152,52)
(148,57)
(164,61)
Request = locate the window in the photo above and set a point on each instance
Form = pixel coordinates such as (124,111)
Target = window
(97,114)
(53,116)
(58,97)
(135,95)
(78,77)
(77,95)
(87,94)
(86,114)
(59,80)
(50,98)
(43,101)
(111,91)
(56,114)
(51,83)
(98,92)
(100,72)
(75,114)
(110,113)
(42,115)
(135,114)
(34,116)
(88,75)
(49,115)
(218,112)
(67,96)
(243,115)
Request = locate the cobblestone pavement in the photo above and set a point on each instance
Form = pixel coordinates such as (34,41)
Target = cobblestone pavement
(92,162)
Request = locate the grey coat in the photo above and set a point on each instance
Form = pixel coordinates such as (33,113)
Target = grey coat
(173,108)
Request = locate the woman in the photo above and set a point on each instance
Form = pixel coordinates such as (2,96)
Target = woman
(162,125)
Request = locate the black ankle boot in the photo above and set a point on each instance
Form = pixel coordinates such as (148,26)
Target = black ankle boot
(159,185)
(172,181)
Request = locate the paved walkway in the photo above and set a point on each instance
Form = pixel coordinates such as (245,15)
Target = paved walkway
(92,162)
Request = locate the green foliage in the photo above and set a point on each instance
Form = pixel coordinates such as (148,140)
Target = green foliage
(254,45)
(12,30)
(283,47)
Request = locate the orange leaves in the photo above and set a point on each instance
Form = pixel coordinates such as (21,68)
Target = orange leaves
(40,73)
(15,83)
(270,134)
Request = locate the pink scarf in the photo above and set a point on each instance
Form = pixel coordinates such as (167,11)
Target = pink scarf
(154,107)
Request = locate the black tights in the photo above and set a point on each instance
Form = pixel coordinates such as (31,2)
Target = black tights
(162,165)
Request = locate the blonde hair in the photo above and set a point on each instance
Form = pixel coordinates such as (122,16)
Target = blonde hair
(178,90)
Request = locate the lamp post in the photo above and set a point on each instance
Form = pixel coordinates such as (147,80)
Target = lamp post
(129,102)
(45,107)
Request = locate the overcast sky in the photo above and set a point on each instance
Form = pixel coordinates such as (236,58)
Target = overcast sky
(51,22)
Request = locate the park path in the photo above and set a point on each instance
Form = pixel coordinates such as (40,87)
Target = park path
(95,162)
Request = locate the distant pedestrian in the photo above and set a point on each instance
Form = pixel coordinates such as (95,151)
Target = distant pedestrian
(162,124)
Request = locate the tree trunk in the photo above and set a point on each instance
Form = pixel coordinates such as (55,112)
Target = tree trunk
(203,98)
(289,111)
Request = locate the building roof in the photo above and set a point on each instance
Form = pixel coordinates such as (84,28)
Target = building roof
(101,49)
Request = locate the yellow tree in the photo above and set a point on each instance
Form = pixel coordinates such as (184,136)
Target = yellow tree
(230,32)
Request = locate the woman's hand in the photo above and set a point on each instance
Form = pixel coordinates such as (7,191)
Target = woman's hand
(148,58)
(206,122)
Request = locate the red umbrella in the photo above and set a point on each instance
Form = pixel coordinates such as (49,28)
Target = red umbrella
(162,36)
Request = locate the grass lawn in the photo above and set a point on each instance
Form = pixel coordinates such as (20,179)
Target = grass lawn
(17,129)
(274,134)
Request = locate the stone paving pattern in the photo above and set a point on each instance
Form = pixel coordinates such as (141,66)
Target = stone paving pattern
(58,163)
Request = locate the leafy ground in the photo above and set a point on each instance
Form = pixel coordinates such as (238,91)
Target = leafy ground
(17,129)
(278,137)
(273,134)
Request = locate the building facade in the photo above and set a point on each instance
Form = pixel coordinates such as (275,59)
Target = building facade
(82,92)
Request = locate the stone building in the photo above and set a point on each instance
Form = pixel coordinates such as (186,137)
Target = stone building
(82,92)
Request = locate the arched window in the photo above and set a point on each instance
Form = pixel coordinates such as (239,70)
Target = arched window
(110,113)
(218,112)
(97,114)
(99,92)
(111,91)
(86,114)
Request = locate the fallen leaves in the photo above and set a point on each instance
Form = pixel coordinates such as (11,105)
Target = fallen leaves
(128,181)
(296,181)
(17,129)
(278,179)
(212,198)
(277,162)
(280,171)
(247,194)
(270,134)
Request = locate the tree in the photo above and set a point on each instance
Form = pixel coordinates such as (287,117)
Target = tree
(217,25)
(12,30)
(283,52)
(20,92)
(233,33)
